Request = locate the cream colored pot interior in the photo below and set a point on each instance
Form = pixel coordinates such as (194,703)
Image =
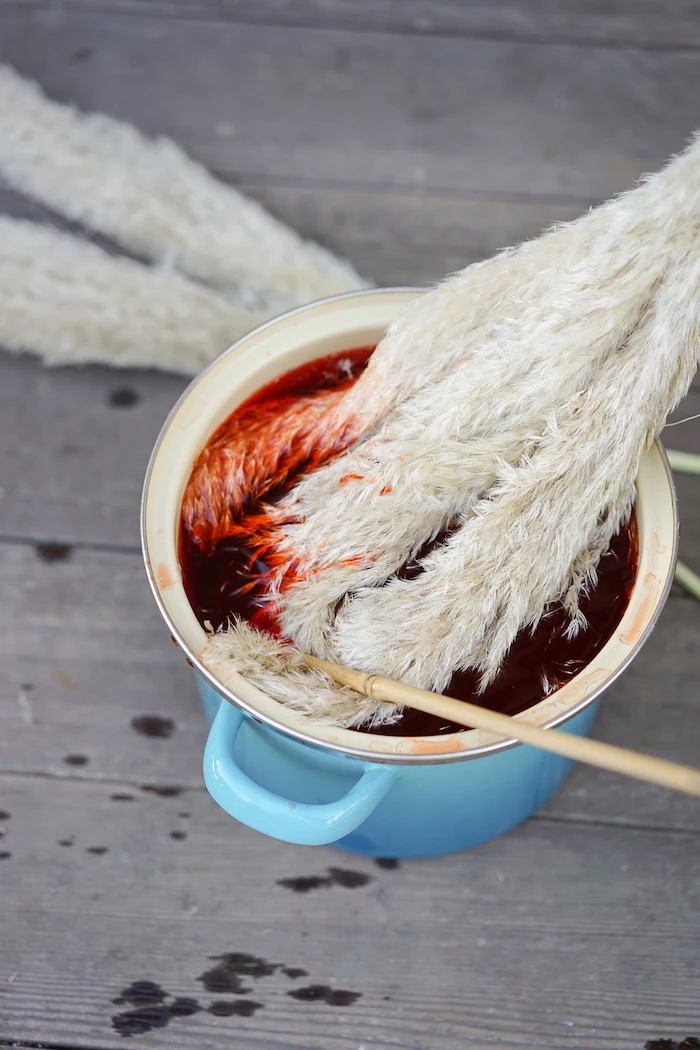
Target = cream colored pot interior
(333,325)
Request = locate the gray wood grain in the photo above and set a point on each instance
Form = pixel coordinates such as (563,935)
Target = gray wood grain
(409,237)
(72,465)
(495,118)
(549,935)
(617,22)
(85,652)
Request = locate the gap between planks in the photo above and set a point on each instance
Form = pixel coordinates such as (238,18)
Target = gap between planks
(47,1046)
(87,545)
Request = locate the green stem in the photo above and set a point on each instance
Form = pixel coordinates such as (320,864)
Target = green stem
(688,579)
(683,462)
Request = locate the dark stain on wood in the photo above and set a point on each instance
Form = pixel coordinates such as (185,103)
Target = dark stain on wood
(691,1042)
(344,877)
(293,972)
(121,798)
(387,863)
(184,1007)
(123,397)
(138,1022)
(141,993)
(231,970)
(66,842)
(184,815)
(350,880)
(315,993)
(178,835)
(50,552)
(234,1008)
(163,790)
(4,815)
(76,760)
(151,1009)
(5,854)
(98,851)
(153,725)
(146,1018)
(304,883)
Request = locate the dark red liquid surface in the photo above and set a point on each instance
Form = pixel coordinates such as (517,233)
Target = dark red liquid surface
(217,587)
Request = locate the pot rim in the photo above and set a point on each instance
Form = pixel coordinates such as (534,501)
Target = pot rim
(430,757)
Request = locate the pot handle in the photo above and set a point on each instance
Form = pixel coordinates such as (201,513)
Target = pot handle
(282,818)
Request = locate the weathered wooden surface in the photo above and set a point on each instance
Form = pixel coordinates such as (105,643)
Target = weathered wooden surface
(72,465)
(391,133)
(550,935)
(645,23)
(488,117)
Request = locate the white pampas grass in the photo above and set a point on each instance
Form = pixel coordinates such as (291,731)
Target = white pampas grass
(267,663)
(515,400)
(152,199)
(73,303)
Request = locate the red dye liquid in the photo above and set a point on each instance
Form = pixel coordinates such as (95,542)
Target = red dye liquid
(222,585)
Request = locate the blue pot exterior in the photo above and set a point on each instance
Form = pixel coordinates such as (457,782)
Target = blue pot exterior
(303,793)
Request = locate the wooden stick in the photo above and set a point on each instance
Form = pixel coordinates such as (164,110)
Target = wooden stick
(581,749)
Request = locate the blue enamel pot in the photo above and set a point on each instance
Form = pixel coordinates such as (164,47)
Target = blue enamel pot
(275,770)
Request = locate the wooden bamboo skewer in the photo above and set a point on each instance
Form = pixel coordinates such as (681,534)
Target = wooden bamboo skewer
(594,752)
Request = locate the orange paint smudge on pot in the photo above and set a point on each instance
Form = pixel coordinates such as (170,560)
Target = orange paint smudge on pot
(644,613)
(427,746)
(581,686)
(656,546)
(164,577)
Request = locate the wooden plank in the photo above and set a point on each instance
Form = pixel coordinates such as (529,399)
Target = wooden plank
(409,238)
(617,22)
(496,118)
(85,653)
(72,464)
(550,934)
